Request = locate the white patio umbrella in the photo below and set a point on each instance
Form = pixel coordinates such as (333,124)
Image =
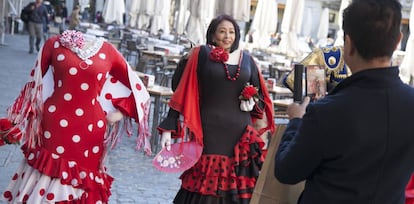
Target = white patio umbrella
(160,20)
(264,23)
(181,16)
(201,13)
(323,28)
(307,23)
(407,65)
(140,13)
(133,12)
(241,10)
(113,11)
(238,9)
(147,10)
(340,34)
(291,25)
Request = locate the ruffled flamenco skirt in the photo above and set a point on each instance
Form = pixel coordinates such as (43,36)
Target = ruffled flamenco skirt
(219,179)
(43,177)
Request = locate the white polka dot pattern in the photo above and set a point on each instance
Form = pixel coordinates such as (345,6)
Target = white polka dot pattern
(55,156)
(67,97)
(90,127)
(73,71)
(60,57)
(79,112)
(71,164)
(102,56)
(60,149)
(52,108)
(31,156)
(76,138)
(63,123)
(84,86)
(74,182)
(99,76)
(82,175)
(65,175)
(95,149)
(100,123)
(47,134)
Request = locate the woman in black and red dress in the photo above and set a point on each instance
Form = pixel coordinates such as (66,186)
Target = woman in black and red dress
(208,97)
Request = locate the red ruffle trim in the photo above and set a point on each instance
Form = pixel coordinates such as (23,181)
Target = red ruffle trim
(219,175)
(95,183)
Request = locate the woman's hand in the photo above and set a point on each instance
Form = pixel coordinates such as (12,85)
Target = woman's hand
(166,140)
(247,105)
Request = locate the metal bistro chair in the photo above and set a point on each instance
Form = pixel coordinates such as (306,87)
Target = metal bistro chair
(125,37)
(132,51)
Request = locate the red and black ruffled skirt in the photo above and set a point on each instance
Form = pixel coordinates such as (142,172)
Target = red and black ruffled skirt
(219,179)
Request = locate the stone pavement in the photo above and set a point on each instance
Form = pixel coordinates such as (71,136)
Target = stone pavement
(136,181)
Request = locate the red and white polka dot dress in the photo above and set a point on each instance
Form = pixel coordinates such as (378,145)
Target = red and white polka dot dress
(66,162)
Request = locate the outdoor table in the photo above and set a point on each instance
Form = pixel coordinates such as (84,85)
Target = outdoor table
(157,92)
(279,92)
(96,32)
(280,107)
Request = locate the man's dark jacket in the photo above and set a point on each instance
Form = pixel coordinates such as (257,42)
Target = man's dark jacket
(356,145)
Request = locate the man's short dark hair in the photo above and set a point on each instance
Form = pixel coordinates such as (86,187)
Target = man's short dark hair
(373,26)
(213,27)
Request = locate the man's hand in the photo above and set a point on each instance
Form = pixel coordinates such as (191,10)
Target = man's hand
(296,110)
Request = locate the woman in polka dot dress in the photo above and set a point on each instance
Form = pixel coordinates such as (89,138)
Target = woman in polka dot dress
(71,111)
(207,96)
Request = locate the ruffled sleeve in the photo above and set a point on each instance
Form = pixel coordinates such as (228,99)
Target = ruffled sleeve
(129,97)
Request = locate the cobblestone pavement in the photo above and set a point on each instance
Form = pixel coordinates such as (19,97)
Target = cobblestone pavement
(136,181)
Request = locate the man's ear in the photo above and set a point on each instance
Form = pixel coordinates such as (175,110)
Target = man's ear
(349,44)
(399,40)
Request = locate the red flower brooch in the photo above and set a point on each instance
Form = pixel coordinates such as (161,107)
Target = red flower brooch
(7,134)
(218,54)
(248,92)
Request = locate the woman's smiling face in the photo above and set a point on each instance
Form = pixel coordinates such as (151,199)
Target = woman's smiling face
(224,35)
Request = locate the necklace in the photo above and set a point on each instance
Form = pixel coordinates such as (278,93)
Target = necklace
(236,76)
